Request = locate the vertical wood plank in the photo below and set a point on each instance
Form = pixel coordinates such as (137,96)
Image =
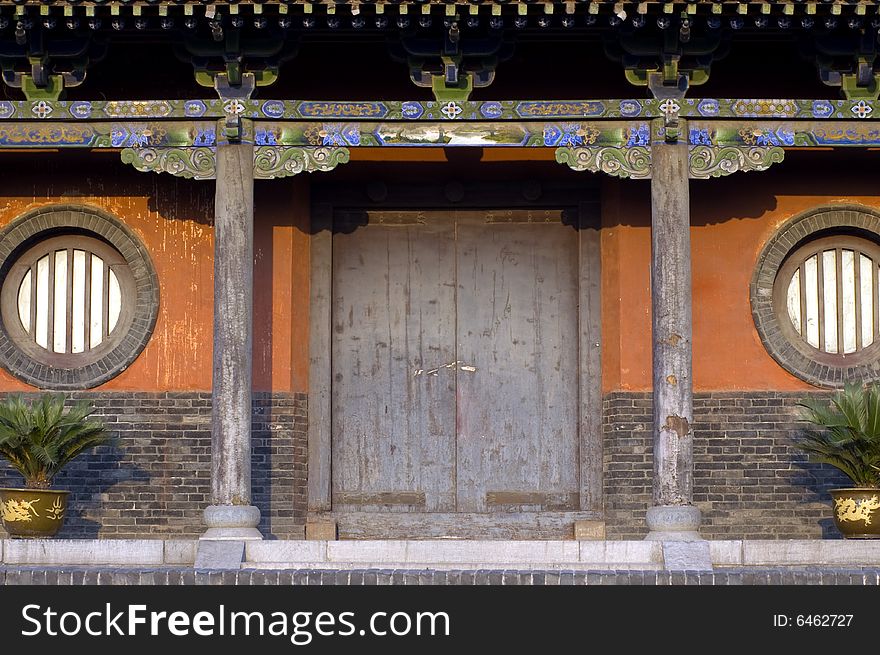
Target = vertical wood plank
(105,301)
(34,301)
(857,295)
(518,331)
(393,362)
(875,299)
(590,454)
(320,289)
(838,273)
(68,309)
(50,321)
(803,294)
(820,282)
(87,303)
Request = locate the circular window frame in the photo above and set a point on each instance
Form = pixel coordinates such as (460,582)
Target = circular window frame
(49,222)
(781,341)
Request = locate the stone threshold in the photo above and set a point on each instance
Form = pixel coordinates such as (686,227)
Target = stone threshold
(173,576)
(446,555)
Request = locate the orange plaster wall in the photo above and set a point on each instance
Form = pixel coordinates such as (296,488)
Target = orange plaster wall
(173,218)
(300,290)
(732,218)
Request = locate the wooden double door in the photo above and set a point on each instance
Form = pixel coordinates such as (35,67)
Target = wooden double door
(456,373)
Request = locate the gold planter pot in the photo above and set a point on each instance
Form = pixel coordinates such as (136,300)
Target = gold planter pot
(32,512)
(856,512)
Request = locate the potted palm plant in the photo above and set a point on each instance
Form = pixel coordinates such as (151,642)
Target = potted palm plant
(38,439)
(847,436)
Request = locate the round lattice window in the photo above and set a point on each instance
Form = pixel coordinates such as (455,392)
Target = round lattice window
(815,296)
(75,310)
(827,290)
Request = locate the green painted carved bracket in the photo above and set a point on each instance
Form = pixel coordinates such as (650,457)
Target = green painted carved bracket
(269,161)
(633,163)
(192,163)
(704,161)
(711,161)
(277,161)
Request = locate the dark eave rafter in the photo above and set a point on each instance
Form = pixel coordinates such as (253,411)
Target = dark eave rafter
(595,7)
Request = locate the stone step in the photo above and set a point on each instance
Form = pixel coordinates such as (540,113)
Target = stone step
(446,555)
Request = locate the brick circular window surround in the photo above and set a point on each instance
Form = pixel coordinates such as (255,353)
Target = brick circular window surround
(85,275)
(814,347)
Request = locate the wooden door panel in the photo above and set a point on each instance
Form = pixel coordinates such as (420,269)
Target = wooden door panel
(393,406)
(517,332)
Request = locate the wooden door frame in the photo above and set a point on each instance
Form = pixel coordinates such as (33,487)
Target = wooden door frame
(582,203)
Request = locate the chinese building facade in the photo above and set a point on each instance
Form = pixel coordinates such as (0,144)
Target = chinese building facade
(422,270)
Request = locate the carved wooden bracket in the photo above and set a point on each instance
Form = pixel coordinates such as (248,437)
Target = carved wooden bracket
(274,161)
(269,161)
(634,163)
(194,163)
(716,161)
(704,161)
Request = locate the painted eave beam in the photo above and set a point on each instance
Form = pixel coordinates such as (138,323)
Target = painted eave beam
(709,109)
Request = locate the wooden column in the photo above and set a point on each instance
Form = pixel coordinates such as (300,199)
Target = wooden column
(672,515)
(231,515)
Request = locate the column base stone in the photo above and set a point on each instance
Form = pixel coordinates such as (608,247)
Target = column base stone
(673,523)
(232,523)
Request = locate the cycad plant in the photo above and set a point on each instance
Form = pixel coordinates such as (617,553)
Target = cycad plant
(848,433)
(40,438)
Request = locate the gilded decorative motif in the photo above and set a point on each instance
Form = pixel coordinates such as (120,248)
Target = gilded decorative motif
(332,134)
(343,109)
(56,511)
(19,510)
(768,108)
(634,163)
(560,109)
(849,509)
(271,162)
(137,108)
(125,136)
(860,135)
(756,136)
(51,134)
(710,161)
(195,163)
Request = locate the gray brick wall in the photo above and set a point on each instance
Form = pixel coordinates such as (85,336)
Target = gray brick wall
(158,480)
(749,482)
